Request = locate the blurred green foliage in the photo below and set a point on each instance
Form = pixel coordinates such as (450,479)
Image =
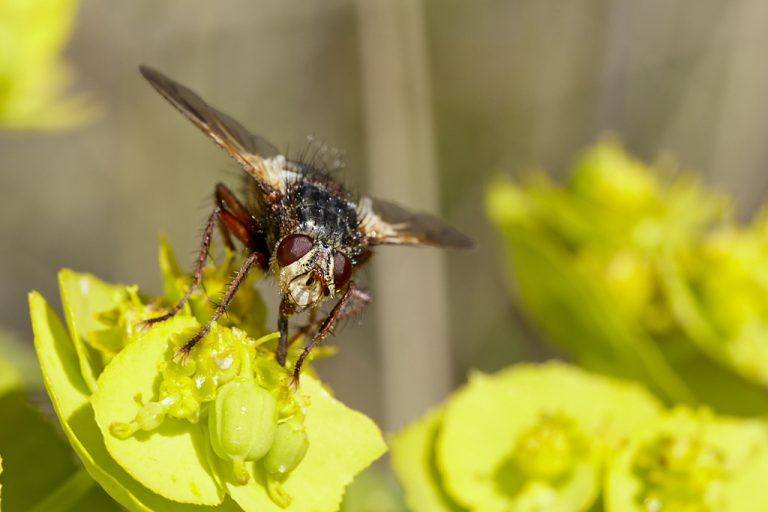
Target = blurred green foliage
(642,272)
(27,437)
(33,74)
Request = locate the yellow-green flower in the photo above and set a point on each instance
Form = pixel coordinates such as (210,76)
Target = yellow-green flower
(134,415)
(531,438)
(691,462)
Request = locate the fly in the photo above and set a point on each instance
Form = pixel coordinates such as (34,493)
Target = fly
(297,224)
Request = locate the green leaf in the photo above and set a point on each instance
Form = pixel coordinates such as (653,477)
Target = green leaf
(69,395)
(533,437)
(691,461)
(413,459)
(83,296)
(172,460)
(27,438)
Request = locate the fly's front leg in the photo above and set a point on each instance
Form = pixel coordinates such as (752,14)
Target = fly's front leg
(233,219)
(352,302)
(183,352)
(198,273)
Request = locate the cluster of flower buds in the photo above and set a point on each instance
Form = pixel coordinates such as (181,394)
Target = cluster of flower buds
(642,269)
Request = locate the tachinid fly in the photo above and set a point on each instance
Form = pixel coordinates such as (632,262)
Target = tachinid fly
(297,224)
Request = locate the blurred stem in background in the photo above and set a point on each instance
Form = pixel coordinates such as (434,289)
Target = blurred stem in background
(411,292)
(739,144)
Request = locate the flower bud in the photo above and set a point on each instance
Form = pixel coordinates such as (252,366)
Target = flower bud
(290,446)
(242,422)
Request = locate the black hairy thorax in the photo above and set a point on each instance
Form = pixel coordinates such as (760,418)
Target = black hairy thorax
(322,212)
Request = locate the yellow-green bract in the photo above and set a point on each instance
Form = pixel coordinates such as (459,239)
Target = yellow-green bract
(173,467)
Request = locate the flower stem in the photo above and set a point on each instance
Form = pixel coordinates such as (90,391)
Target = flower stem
(68,494)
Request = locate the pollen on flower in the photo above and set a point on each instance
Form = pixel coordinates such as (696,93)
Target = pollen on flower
(225,362)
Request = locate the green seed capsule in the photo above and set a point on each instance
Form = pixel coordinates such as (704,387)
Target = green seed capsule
(289,448)
(242,423)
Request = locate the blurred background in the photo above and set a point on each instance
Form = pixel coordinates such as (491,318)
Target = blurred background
(427,101)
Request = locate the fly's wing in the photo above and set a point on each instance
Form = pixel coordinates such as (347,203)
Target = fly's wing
(256,156)
(383,222)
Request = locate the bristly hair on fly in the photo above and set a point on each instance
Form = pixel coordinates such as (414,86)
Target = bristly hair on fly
(318,154)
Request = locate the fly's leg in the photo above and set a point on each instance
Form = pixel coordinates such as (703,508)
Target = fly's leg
(351,303)
(198,273)
(233,218)
(236,220)
(183,352)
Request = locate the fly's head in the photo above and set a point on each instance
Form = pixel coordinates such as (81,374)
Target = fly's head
(309,270)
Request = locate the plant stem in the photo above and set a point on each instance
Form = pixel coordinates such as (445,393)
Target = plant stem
(68,494)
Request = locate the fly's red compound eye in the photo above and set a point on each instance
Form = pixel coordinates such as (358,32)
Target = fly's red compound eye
(292,248)
(342,270)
